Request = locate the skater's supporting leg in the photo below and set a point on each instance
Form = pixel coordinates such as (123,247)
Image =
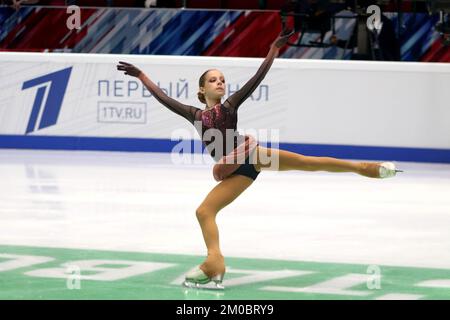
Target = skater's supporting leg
(220,196)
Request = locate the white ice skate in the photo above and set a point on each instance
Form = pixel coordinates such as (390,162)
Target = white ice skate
(199,280)
(387,170)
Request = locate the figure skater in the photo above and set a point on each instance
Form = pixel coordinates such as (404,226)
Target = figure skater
(236,177)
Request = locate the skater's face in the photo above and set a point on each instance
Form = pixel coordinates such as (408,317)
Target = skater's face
(213,86)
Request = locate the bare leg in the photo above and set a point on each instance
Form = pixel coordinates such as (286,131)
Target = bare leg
(219,197)
(294,161)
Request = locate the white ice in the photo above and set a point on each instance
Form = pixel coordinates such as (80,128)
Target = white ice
(143,202)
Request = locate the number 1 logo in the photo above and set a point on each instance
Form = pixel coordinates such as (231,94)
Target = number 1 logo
(51,89)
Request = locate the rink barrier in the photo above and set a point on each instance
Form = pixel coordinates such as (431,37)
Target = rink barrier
(348,109)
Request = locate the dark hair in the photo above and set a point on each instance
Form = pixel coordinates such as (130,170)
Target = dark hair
(201,83)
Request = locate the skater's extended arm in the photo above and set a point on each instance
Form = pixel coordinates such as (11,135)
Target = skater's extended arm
(183,110)
(235,100)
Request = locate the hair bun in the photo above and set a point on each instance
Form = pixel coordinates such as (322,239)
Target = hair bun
(201,97)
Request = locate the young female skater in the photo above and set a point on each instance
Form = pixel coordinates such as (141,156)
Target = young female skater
(237,177)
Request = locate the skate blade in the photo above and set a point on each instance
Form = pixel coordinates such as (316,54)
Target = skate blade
(206,286)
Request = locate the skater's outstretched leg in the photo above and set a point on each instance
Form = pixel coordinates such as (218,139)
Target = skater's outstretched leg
(219,197)
(286,160)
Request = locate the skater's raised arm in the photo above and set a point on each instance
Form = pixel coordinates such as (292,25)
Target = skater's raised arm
(183,110)
(235,100)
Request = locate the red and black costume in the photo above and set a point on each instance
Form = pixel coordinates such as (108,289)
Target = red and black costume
(221,117)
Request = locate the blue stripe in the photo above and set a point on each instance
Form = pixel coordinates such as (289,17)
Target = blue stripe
(166,145)
(370,153)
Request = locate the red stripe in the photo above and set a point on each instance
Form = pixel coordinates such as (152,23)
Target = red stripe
(251,36)
(44,29)
(437,52)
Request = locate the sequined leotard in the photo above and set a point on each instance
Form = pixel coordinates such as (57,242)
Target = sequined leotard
(222,116)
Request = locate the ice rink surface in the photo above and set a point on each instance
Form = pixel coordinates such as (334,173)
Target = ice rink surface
(142,202)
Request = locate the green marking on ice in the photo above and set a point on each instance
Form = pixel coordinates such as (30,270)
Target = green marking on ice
(159,276)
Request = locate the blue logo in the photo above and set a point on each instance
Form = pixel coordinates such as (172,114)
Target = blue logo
(55,84)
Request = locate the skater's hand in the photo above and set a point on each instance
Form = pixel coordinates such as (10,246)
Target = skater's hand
(283,38)
(129,69)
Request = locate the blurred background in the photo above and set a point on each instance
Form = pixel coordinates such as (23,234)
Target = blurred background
(411,30)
